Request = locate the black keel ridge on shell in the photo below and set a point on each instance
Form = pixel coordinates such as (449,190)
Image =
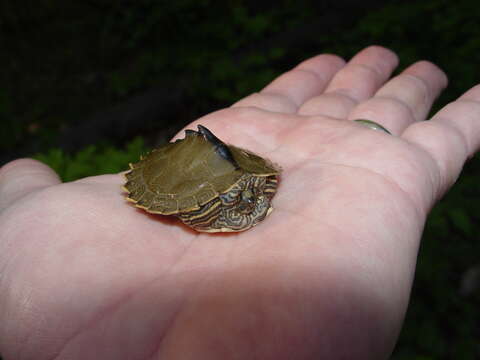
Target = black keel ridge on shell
(220,147)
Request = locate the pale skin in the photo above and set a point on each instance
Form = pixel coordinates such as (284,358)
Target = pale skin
(85,275)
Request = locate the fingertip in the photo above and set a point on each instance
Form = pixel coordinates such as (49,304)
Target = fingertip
(19,166)
(22,162)
(425,67)
(321,62)
(21,176)
(389,58)
(382,50)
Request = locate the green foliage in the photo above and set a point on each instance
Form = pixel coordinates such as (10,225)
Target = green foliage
(93,160)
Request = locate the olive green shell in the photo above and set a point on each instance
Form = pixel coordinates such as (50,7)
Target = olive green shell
(182,176)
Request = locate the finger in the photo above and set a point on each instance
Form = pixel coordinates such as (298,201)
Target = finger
(450,137)
(287,92)
(355,82)
(22,176)
(404,99)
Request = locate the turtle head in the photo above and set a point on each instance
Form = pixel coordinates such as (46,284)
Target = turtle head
(239,209)
(251,204)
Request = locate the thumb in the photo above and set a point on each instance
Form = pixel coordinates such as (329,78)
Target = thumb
(22,176)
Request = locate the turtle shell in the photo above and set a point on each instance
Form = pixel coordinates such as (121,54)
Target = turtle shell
(198,175)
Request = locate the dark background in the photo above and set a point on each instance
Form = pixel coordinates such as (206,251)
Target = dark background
(86,86)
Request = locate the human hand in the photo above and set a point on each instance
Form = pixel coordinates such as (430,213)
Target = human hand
(85,275)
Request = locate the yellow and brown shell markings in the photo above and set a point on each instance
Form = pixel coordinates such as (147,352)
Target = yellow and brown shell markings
(210,186)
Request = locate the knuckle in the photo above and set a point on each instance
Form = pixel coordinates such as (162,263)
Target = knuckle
(387,105)
(417,84)
(362,70)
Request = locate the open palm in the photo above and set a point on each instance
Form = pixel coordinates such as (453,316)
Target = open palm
(85,275)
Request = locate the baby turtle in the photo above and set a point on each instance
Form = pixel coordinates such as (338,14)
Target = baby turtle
(210,186)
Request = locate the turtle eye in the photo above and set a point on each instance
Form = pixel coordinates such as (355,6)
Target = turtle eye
(248,197)
(247,202)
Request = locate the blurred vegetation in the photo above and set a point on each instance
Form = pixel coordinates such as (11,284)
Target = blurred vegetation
(93,160)
(69,59)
